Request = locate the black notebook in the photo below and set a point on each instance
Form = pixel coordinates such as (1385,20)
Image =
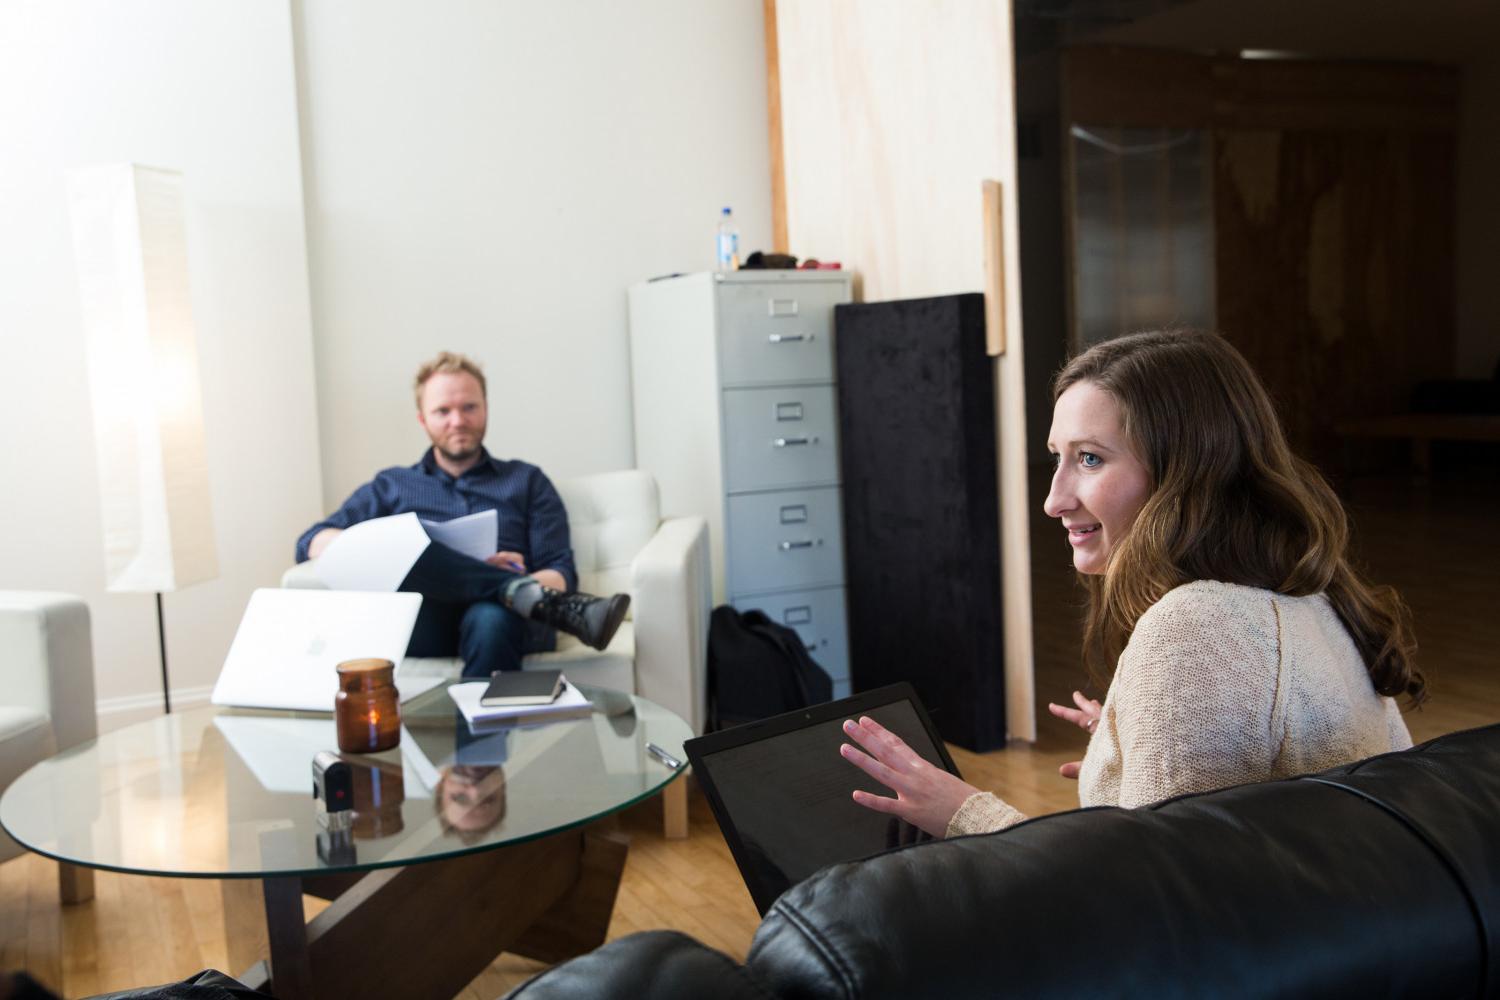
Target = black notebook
(522,687)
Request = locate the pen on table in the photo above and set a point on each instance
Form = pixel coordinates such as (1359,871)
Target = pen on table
(663,756)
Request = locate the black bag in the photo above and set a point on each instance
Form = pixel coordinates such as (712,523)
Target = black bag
(757,669)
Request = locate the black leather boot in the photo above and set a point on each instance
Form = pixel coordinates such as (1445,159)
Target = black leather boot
(592,619)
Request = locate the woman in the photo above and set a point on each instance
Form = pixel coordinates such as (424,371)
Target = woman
(1244,645)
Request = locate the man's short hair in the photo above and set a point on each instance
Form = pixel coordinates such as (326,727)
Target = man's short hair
(448,363)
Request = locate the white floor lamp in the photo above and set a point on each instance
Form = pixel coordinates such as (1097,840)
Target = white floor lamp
(130,242)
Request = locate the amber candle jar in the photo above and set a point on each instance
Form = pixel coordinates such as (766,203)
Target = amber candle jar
(367,711)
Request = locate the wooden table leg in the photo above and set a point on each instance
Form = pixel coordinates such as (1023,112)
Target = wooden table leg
(291,965)
(674,809)
(427,930)
(266,934)
(74,884)
(580,920)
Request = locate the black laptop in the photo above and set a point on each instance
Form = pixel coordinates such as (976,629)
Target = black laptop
(782,793)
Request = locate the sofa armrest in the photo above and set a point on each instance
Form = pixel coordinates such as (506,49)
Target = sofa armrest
(49,660)
(302,576)
(670,584)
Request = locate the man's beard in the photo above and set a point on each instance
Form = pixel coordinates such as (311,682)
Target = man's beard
(458,456)
(465,455)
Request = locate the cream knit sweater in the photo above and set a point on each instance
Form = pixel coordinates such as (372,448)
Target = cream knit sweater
(1221,685)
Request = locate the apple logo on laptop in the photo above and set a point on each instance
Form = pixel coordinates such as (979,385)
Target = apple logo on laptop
(316,647)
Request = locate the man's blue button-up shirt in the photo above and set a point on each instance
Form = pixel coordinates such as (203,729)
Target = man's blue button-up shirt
(532,519)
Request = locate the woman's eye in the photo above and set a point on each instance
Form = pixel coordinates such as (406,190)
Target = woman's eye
(1088,459)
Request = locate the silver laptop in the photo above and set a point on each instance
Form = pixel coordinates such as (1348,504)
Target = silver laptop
(290,641)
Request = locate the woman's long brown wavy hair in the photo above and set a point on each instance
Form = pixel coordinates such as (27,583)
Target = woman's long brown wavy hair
(1229,502)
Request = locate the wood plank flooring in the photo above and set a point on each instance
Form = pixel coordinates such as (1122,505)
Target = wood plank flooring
(1429,539)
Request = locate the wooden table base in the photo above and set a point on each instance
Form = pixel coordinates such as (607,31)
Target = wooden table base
(426,930)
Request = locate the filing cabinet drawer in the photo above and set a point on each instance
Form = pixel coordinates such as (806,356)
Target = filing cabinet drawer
(777,332)
(786,436)
(817,616)
(784,541)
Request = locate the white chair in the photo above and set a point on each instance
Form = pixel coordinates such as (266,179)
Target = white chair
(48,700)
(621,544)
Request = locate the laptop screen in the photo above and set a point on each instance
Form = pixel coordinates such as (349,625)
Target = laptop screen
(782,793)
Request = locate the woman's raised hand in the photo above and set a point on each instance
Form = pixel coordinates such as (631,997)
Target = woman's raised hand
(1085,717)
(926,796)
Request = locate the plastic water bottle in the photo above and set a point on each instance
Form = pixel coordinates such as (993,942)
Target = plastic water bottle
(727,243)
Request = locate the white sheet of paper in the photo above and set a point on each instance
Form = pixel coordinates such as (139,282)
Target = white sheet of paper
(373,555)
(473,534)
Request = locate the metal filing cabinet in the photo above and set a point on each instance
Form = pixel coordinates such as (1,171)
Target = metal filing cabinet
(733,385)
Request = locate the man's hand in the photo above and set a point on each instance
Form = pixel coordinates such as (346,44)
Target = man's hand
(512,561)
(321,541)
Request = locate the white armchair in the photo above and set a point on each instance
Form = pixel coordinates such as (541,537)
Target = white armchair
(48,701)
(621,544)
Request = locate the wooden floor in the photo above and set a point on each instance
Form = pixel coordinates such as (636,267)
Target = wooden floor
(1432,540)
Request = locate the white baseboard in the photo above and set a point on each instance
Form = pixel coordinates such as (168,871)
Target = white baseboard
(116,713)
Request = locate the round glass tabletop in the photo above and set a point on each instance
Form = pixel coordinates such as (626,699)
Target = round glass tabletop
(225,793)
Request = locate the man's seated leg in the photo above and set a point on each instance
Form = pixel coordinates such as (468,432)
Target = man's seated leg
(443,575)
(491,638)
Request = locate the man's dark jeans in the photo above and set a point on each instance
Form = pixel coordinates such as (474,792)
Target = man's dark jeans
(464,614)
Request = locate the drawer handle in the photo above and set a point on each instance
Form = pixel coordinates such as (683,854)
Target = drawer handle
(794,442)
(789,338)
(797,616)
(794,514)
(805,543)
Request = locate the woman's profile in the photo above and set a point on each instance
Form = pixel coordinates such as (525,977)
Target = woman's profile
(1244,646)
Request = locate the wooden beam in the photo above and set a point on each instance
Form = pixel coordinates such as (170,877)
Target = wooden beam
(779,241)
(994,268)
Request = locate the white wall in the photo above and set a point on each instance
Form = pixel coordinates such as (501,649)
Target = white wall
(206,89)
(490,177)
(1477,250)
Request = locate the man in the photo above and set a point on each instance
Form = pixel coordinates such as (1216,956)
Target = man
(491,613)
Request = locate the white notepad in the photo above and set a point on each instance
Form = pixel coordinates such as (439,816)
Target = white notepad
(570,704)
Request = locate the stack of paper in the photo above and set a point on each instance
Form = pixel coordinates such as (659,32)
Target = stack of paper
(571,704)
(378,553)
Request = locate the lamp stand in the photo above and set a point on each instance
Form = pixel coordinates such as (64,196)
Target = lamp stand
(161,635)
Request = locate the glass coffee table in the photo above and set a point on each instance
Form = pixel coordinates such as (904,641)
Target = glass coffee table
(461,846)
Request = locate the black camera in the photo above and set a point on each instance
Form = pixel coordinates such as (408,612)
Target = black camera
(333,789)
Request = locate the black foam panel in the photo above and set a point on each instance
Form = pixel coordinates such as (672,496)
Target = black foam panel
(916,397)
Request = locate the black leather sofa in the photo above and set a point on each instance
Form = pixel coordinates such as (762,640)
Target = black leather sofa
(1379,879)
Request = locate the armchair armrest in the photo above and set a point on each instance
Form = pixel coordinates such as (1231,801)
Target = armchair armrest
(670,583)
(303,576)
(49,660)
